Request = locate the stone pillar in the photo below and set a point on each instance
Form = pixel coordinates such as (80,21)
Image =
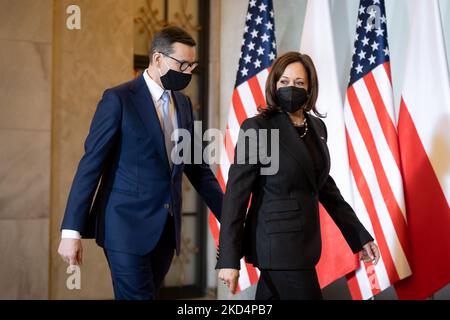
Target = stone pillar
(25,107)
(85,63)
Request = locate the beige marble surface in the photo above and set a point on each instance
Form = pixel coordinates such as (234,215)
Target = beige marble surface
(25,174)
(95,278)
(25,82)
(24,252)
(85,63)
(25,108)
(26,20)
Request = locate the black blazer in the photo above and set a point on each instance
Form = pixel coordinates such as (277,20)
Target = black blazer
(281,229)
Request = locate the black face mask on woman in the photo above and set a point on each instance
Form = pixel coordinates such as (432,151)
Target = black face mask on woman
(291,99)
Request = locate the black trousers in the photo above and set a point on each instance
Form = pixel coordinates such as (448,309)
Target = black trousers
(137,277)
(288,285)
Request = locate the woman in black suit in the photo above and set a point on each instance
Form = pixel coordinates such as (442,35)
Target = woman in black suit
(280,232)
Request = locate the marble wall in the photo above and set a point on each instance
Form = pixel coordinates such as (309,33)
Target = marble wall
(25,107)
(50,82)
(85,63)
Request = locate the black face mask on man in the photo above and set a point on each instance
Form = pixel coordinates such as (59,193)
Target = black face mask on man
(291,98)
(175,80)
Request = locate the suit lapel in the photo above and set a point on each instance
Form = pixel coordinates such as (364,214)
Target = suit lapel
(143,103)
(294,145)
(318,135)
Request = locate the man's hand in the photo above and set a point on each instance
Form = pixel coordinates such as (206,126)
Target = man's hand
(370,252)
(71,251)
(230,278)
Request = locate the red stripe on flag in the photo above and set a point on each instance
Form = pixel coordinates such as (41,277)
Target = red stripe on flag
(238,107)
(383,117)
(258,95)
(214,228)
(220,179)
(336,259)
(229,146)
(391,202)
(353,286)
(373,279)
(371,210)
(428,216)
(387,68)
(213,223)
(252,274)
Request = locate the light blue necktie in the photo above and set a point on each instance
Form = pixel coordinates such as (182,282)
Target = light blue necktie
(167,125)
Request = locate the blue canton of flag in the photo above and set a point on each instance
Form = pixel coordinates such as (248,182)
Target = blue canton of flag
(371,46)
(258,45)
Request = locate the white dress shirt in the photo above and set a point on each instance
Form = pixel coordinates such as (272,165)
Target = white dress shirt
(156,93)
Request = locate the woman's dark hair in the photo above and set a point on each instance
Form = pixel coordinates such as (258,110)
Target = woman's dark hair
(164,39)
(275,74)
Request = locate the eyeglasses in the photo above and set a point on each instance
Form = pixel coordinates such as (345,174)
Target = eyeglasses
(184,65)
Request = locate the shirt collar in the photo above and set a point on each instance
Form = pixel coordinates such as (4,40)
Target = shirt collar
(155,89)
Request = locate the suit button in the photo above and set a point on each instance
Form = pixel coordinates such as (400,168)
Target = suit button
(166,206)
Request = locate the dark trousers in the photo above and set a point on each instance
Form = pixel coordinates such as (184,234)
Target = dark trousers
(288,285)
(137,277)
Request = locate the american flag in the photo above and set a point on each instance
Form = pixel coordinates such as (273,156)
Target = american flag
(257,54)
(374,154)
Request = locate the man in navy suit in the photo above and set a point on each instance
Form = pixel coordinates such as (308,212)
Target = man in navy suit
(136,214)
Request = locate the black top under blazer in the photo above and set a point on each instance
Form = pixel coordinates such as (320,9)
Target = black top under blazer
(281,230)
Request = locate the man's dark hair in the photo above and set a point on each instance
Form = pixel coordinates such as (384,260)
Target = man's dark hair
(164,39)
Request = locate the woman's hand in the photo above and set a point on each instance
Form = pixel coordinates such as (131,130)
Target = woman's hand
(230,278)
(370,252)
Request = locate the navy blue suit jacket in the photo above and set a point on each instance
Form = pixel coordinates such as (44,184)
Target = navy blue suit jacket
(125,152)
